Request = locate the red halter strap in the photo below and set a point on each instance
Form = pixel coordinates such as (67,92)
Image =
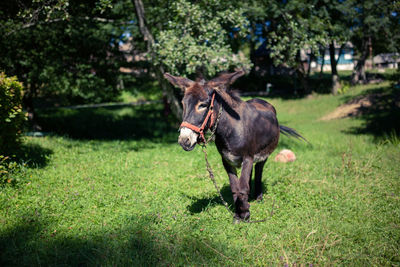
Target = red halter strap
(200,130)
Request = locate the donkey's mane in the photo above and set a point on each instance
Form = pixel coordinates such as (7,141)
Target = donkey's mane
(223,81)
(234,94)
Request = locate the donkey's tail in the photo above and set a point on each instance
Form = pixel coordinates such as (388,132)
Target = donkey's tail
(291,133)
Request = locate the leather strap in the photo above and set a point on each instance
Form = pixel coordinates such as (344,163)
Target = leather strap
(200,130)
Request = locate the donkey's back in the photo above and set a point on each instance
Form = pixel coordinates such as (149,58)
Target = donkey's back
(261,105)
(262,134)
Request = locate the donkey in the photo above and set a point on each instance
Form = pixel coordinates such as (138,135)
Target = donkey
(246,133)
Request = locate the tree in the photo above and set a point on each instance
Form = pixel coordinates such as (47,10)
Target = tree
(169,97)
(69,49)
(290,28)
(187,38)
(335,18)
(61,50)
(375,21)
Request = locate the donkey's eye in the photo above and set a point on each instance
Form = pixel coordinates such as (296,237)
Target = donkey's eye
(203,105)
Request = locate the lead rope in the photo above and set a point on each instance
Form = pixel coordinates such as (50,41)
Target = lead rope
(212,177)
(210,172)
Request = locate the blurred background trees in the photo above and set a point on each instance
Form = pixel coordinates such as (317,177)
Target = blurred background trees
(62,51)
(187,38)
(72,52)
(375,29)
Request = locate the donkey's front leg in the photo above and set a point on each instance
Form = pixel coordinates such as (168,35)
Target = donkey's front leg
(233,179)
(242,202)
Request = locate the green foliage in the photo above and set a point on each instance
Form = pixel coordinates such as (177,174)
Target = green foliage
(196,36)
(291,26)
(292,34)
(377,21)
(65,53)
(12,119)
(9,171)
(391,138)
(344,87)
(11,115)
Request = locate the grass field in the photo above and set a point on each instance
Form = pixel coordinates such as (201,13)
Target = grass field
(112,187)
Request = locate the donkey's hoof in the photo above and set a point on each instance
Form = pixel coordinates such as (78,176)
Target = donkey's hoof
(245,215)
(259,198)
(236,220)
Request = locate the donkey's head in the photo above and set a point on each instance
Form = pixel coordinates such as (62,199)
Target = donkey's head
(198,103)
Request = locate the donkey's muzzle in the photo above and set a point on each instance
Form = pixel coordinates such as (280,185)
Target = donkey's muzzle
(187,139)
(186,145)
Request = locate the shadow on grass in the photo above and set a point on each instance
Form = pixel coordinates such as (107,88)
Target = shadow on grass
(50,250)
(33,242)
(32,155)
(109,123)
(200,204)
(381,118)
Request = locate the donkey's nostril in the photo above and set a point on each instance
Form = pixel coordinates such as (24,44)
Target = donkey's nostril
(187,142)
(187,139)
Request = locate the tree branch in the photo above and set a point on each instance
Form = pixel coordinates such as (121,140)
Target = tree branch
(147,36)
(98,19)
(340,51)
(32,24)
(168,92)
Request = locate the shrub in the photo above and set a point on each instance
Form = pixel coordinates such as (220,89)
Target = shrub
(345,86)
(8,171)
(11,115)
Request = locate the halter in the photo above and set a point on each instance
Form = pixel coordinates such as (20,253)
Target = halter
(200,130)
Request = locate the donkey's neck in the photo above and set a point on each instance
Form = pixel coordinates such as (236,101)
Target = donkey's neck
(227,119)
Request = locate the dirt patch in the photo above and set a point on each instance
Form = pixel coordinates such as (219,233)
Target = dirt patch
(352,108)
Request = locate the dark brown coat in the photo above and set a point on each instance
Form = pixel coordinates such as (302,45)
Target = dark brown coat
(246,134)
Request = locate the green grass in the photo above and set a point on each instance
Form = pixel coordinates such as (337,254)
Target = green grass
(113,187)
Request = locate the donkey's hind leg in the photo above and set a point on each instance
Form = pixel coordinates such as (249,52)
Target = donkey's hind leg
(251,175)
(258,194)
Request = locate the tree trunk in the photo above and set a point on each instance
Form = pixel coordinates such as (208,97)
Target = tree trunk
(370,56)
(27,101)
(322,63)
(168,92)
(335,77)
(358,75)
(302,74)
(304,82)
(310,59)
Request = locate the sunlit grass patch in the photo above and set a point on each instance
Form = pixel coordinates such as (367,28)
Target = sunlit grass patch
(121,191)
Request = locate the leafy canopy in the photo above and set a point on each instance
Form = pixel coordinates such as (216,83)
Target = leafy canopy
(64,50)
(196,36)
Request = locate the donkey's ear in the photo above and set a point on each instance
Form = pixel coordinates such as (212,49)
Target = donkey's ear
(234,76)
(228,78)
(221,84)
(180,82)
